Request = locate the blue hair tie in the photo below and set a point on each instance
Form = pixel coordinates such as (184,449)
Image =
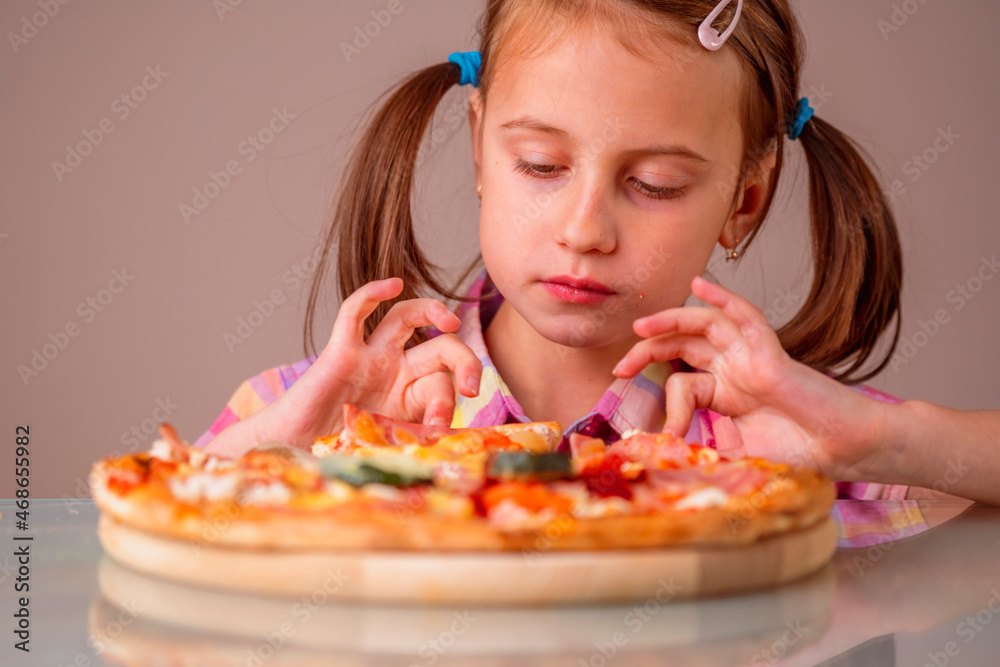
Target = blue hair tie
(798,120)
(470,63)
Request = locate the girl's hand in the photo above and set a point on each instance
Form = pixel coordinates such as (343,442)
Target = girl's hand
(377,374)
(784,410)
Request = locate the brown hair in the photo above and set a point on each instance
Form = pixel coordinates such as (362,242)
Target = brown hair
(856,253)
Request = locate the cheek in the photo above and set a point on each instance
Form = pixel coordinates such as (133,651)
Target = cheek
(500,245)
(512,221)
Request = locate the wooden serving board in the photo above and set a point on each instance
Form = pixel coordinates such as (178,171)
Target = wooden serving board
(178,619)
(474,578)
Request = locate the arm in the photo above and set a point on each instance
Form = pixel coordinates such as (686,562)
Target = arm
(953,452)
(236,439)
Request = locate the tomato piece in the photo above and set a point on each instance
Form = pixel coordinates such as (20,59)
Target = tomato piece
(534,497)
(605,477)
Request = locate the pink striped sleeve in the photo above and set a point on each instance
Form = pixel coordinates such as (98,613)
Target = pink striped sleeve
(254,395)
(872,490)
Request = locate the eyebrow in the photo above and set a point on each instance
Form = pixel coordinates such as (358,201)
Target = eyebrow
(670,150)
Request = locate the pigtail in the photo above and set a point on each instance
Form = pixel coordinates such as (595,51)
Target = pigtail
(372,221)
(858,274)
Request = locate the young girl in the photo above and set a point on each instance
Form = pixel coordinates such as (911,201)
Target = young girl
(615,142)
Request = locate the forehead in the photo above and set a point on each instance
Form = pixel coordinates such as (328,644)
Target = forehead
(652,85)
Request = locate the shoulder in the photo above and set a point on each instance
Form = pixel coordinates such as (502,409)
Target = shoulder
(264,388)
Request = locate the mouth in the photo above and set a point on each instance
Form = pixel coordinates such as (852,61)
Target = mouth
(577,290)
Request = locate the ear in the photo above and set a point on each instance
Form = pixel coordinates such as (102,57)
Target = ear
(475,125)
(749,202)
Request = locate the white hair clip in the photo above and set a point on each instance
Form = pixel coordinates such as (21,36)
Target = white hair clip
(709,36)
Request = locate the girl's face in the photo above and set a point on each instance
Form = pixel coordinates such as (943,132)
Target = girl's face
(607,180)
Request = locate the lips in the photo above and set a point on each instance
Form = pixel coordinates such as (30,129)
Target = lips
(577,290)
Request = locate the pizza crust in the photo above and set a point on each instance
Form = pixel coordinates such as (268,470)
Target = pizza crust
(396,527)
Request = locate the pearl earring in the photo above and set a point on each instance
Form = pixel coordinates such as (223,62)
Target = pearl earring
(735,252)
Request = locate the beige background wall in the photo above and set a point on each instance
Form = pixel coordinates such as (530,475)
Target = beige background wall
(159,336)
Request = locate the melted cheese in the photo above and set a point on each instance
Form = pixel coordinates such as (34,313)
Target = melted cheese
(383,492)
(161,450)
(598,507)
(710,496)
(204,486)
(272,493)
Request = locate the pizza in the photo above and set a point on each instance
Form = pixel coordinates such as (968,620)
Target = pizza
(381,484)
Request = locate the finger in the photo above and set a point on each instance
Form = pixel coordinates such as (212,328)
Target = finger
(743,313)
(356,308)
(447,353)
(435,393)
(173,438)
(710,323)
(695,350)
(405,317)
(687,392)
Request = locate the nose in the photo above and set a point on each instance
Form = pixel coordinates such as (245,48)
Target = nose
(588,225)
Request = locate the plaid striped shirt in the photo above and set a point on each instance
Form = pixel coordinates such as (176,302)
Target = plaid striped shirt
(636,403)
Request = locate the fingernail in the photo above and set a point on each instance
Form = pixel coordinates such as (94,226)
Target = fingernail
(618,368)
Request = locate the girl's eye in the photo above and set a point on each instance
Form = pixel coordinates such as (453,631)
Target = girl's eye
(536,170)
(551,171)
(654,192)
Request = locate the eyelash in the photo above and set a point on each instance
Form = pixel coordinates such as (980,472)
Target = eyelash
(539,171)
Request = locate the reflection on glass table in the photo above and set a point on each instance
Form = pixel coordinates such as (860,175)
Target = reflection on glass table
(931,597)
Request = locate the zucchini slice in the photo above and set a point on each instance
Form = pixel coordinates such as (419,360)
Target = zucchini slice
(518,465)
(398,471)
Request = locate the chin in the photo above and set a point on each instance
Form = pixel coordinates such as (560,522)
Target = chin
(577,332)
